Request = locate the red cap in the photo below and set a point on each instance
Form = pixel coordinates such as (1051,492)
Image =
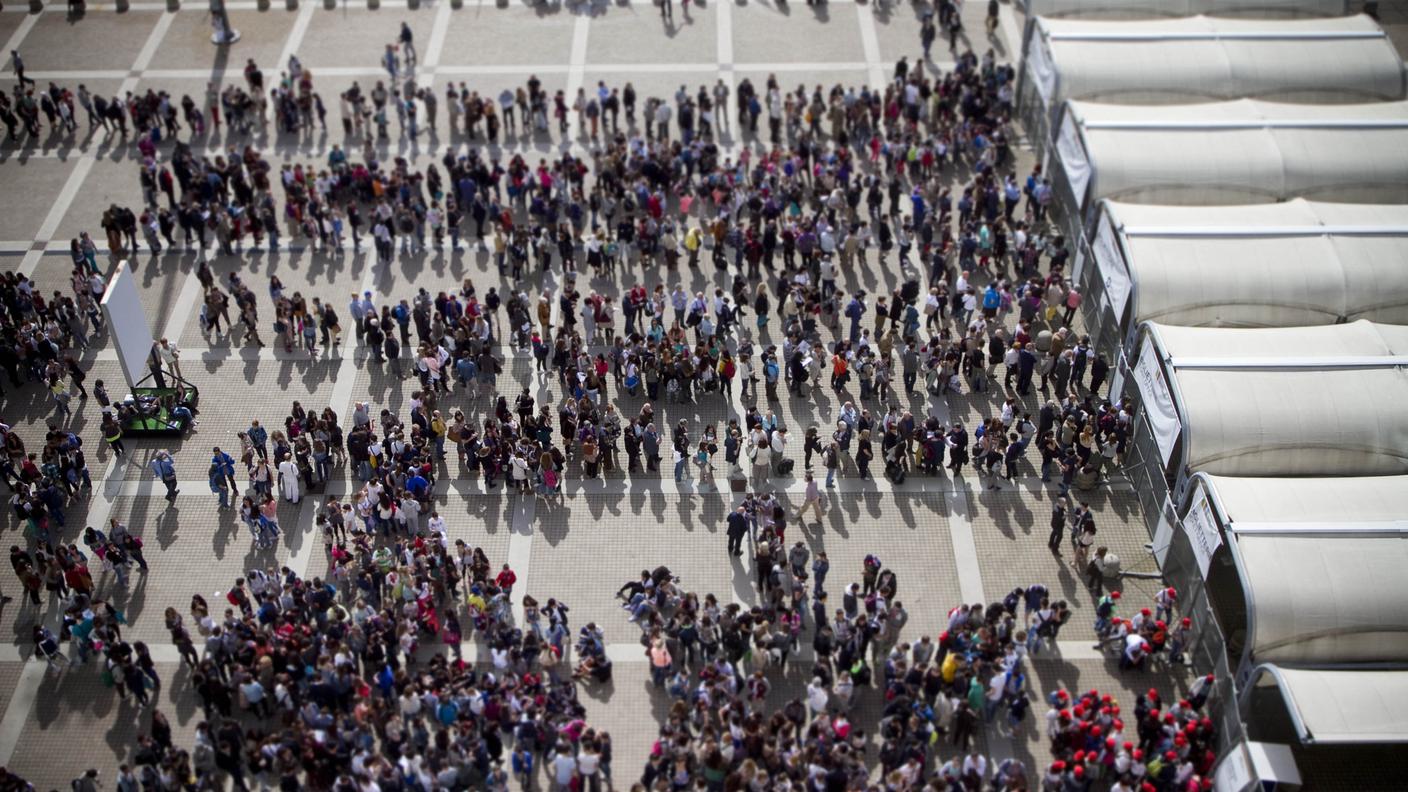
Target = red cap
(1119,725)
(1172,592)
(1062,695)
(1114,595)
(1145,611)
(1079,771)
(1179,739)
(1106,698)
(1128,746)
(1080,756)
(1205,723)
(1183,703)
(1168,718)
(1065,714)
(1153,693)
(1159,624)
(1171,756)
(1109,742)
(1209,677)
(1058,766)
(1147,787)
(1145,646)
(1187,622)
(1095,731)
(1138,753)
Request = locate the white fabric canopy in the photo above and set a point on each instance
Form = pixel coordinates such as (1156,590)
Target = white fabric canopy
(1173,8)
(1341,500)
(1196,59)
(1342,706)
(1292,410)
(1240,152)
(1325,600)
(1328,342)
(1261,265)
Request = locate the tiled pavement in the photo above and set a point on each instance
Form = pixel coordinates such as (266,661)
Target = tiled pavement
(949,542)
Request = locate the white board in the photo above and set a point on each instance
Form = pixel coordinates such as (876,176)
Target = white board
(1157,400)
(127,320)
(1073,159)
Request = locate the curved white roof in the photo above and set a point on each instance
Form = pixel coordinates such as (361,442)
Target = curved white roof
(1305,401)
(1196,59)
(1261,265)
(1341,500)
(1238,152)
(1174,8)
(1325,599)
(1204,347)
(1342,706)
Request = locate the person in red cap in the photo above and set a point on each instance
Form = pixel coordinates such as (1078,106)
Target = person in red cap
(1199,691)
(1165,601)
(1178,639)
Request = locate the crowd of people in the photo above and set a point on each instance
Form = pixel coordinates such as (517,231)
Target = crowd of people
(729,729)
(329,681)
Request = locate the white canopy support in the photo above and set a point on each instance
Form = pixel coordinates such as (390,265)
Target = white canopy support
(1322,600)
(1330,706)
(1262,265)
(1238,152)
(1143,9)
(1201,58)
(1265,419)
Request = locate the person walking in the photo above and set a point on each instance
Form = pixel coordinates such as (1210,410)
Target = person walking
(737,529)
(813,499)
(164,468)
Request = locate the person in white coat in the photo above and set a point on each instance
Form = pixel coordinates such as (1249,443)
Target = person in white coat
(288,479)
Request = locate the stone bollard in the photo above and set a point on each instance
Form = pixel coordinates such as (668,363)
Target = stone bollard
(173,5)
(373,5)
(292,5)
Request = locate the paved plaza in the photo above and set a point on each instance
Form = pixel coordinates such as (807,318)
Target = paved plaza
(949,540)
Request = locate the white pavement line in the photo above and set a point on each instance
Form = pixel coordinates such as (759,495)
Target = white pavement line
(724,22)
(17,714)
(437,42)
(307,518)
(870,43)
(965,550)
(295,36)
(520,547)
(186,302)
(17,38)
(58,211)
(576,72)
(1011,33)
(148,51)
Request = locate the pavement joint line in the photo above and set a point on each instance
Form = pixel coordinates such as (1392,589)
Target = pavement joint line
(965,549)
(576,72)
(478,69)
(870,44)
(436,49)
(17,38)
(84,165)
(295,35)
(520,547)
(665,486)
(1012,35)
(16,716)
(148,51)
(58,211)
(1073,650)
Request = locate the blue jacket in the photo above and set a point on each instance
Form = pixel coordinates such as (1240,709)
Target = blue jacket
(162,467)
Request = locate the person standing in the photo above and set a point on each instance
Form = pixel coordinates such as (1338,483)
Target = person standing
(737,529)
(288,479)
